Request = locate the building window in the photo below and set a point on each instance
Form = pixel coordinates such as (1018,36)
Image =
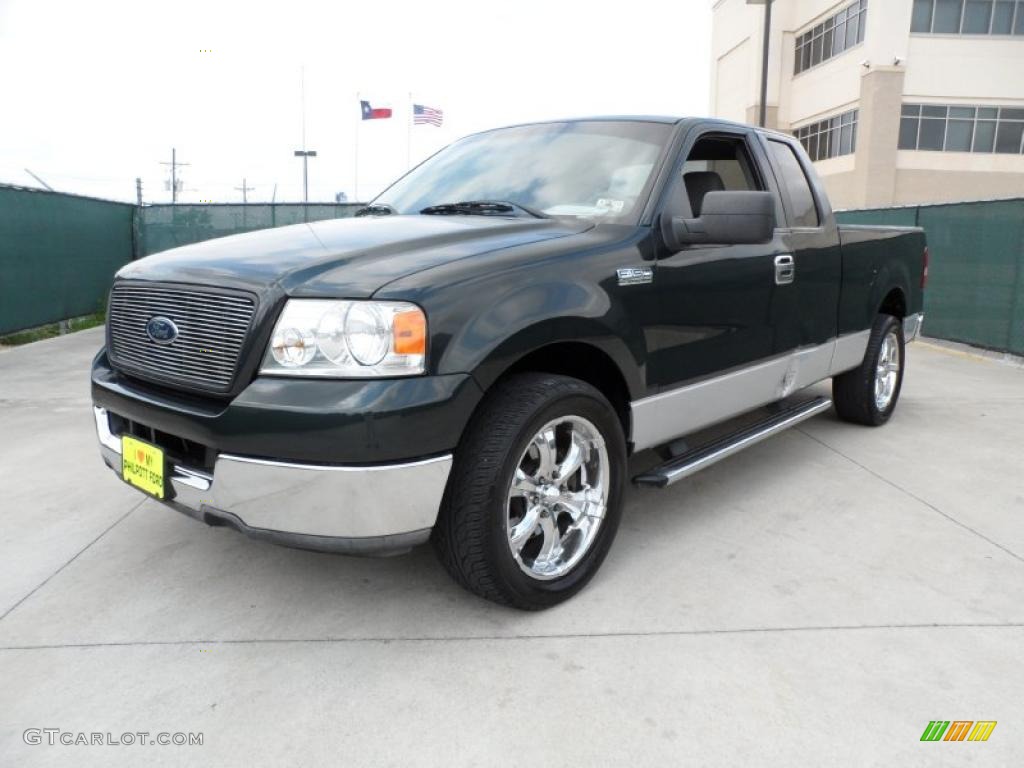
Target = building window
(831,137)
(962,129)
(970,17)
(830,38)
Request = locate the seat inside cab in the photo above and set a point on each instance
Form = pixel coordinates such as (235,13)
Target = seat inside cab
(717,164)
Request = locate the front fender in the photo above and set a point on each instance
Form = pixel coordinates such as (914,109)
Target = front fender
(530,317)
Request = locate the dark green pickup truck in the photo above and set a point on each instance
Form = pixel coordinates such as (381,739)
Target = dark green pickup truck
(473,358)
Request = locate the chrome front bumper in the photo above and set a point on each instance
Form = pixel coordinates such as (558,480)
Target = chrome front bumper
(350,509)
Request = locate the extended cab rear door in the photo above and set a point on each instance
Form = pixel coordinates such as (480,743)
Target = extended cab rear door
(806,302)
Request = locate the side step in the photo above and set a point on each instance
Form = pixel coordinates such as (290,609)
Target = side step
(704,456)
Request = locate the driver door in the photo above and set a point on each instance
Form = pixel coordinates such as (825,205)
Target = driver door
(712,341)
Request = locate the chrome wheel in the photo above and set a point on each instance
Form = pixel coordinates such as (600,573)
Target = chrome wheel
(887,371)
(558,497)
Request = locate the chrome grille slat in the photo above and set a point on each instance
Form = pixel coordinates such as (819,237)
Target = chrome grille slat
(139,357)
(228,314)
(212,329)
(170,369)
(187,333)
(197,312)
(215,305)
(194,321)
(180,374)
(128,350)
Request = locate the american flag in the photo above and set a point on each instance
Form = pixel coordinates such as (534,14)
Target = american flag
(422,115)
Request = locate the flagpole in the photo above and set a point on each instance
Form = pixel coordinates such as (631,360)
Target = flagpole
(355,186)
(408,136)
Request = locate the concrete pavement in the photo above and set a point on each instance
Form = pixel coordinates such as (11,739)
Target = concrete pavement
(816,600)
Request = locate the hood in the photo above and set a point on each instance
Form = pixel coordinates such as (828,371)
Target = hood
(342,258)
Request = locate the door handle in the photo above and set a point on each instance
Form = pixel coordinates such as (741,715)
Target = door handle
(785,270)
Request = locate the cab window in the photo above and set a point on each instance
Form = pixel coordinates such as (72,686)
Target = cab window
(717,164)
(803,211)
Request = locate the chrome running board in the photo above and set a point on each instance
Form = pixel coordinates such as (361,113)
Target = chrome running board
(704,456)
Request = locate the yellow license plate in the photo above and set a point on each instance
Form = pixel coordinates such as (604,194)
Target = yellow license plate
(142,465)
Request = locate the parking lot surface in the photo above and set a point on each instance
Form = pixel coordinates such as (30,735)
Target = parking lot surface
(815,600)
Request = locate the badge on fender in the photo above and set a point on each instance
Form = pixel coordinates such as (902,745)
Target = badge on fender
(635,275)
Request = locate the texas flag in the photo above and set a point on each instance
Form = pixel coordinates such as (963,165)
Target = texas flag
(371,113)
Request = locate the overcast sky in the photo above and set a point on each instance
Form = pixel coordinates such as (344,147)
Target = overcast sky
(96,92)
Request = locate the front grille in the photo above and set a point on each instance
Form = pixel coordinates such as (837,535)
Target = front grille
(211,330)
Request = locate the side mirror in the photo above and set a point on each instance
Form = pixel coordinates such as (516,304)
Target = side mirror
(726,218)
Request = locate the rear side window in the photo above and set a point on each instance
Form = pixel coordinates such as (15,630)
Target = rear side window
(803,213)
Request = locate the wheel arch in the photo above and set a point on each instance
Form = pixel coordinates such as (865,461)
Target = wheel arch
(584,362)
(602,361)
(890,290)
(894,303)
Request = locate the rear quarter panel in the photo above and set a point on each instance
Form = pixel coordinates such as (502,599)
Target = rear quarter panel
(875,260)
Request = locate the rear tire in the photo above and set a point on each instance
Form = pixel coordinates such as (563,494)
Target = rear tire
(511,529)
(868,394)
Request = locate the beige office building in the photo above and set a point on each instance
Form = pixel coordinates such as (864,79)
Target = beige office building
(897,101)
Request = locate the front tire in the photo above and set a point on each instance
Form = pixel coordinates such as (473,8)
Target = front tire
(535,494)
(868,394)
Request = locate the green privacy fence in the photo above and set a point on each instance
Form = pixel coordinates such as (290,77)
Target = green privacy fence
(167,226)
(59,252)
(976,276)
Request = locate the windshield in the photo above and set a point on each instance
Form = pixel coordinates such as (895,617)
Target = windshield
(588,168)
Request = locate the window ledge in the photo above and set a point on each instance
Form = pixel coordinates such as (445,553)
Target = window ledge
(828,61)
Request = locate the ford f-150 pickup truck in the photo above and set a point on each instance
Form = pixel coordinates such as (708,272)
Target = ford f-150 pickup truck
(474,356)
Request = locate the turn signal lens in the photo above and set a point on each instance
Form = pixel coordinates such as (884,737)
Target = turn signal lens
(410,333)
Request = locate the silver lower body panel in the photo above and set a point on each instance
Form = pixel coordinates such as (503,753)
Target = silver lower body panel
(668,415)
(349,509)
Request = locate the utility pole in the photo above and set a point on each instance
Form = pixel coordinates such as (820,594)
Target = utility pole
(305,155)
(763,107)
(243,189)
(764,61)
(174,174)
(138,190)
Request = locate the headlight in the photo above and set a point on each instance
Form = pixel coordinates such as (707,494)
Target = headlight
(347,339)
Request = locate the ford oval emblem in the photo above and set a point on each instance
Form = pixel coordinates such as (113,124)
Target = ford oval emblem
(162,330)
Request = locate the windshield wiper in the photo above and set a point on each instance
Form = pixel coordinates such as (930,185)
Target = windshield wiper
(376,209)
(481,208)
